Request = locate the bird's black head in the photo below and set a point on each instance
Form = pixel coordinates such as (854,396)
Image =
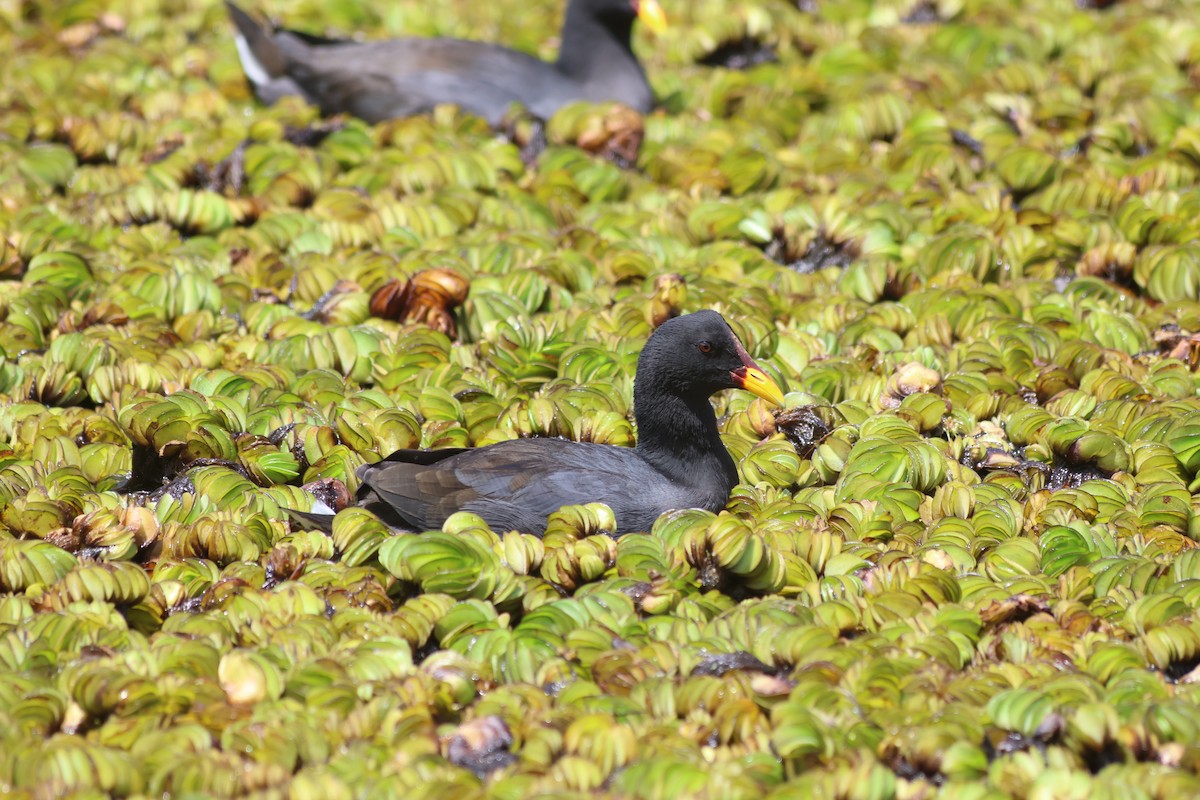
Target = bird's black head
(698,354)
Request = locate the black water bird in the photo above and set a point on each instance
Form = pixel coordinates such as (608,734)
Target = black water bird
(679,461)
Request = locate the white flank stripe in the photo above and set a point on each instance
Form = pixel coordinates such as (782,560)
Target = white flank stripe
(254,70)
(318,507)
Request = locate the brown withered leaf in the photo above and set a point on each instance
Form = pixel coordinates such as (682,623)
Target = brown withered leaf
(104,312)
(429,298)
(1017,608)
(615,136)
(670,293)
(910,378)
(803,427)
(481,745)
(330,491)
(11,265)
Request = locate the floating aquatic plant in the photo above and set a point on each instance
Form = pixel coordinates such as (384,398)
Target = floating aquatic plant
(961,559)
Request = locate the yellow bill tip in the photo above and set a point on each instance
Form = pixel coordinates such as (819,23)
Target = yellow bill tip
(760,383)
(651,15)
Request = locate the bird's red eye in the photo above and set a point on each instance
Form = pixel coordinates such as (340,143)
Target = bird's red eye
(704,347)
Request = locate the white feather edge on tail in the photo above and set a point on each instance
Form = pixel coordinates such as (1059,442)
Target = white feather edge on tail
(253,68)
(320,508)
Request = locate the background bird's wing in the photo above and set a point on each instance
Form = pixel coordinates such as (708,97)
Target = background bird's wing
(382,80)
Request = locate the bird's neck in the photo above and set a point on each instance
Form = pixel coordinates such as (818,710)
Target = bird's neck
(594,47)
(678,437)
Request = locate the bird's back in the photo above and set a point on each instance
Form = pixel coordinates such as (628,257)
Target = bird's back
(399,77)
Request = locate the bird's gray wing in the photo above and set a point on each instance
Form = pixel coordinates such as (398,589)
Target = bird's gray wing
(400,77)
(511,485)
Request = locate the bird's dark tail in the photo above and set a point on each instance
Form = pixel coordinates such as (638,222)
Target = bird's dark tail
(308,521)
(262,59)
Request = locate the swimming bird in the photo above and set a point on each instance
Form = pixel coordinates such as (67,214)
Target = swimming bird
(378,80)
(679,460)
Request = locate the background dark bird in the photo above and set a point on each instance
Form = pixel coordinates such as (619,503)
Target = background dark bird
(400,77)
(679,460)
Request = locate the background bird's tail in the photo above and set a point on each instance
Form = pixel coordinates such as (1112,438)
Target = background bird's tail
(310,521)
(262,59)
